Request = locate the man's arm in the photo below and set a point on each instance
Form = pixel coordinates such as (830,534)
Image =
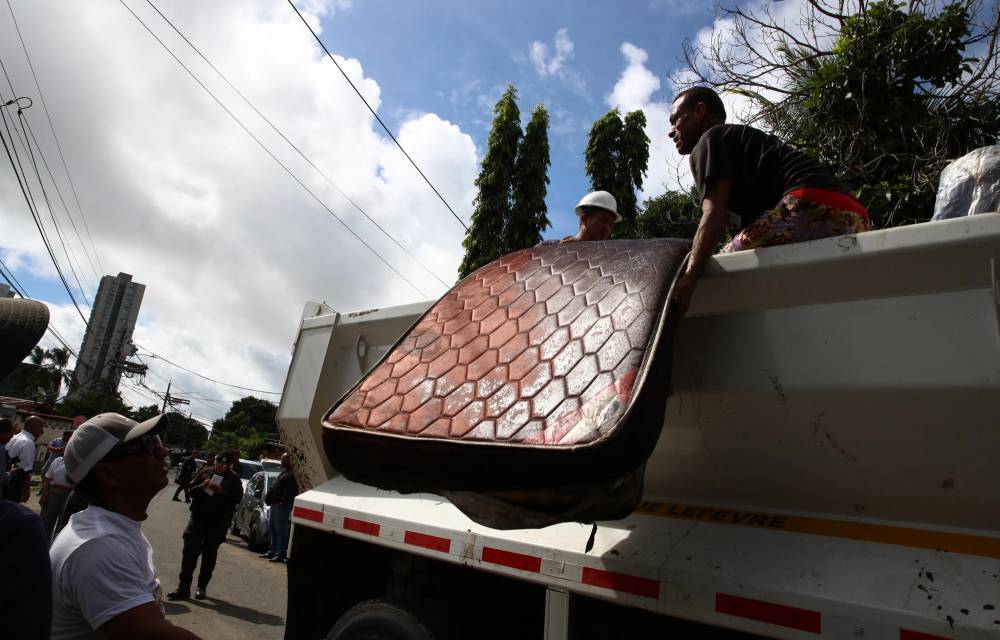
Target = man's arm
(145,621)
(714,217)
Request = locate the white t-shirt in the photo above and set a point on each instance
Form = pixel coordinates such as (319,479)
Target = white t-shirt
(22,447)
(56,473)
(102,565)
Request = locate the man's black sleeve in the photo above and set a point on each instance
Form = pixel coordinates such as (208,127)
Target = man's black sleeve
(711,160)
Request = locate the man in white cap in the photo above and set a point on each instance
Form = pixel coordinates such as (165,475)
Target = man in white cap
(598,213)
(104,584)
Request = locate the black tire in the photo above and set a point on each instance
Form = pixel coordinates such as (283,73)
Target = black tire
(252,544)
(379,620)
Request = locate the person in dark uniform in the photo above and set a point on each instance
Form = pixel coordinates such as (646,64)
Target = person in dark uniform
(215,492)
(184,475)
(280,498)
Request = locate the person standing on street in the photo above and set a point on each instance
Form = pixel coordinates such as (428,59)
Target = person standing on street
(55,491)
(6,433)
(21,452)
(104,584)
(280,498)
(215,493)
(184,475)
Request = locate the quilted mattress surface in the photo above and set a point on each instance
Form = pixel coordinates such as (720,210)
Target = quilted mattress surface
(526,369)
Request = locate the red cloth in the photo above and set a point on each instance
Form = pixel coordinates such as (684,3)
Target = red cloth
(831,199)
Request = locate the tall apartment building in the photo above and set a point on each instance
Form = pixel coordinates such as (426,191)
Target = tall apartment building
(107,342)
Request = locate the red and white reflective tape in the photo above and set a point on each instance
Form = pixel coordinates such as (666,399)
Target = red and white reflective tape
(762,611)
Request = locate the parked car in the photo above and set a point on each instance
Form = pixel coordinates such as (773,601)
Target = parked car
(270,464)
(251,518)
(247,470)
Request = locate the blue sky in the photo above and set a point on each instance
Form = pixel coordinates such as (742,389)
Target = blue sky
(461,55)
(229,247)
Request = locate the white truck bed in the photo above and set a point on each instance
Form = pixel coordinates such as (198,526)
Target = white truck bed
(781,575)
(828,461)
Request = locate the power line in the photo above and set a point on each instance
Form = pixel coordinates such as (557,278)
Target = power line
(48,204)
(22,138)
(332,59)
(150,354)
(292,144)
(52,178)
(62,157)
(26,192)
(268,151)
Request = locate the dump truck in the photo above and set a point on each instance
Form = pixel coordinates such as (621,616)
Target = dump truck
(827,467)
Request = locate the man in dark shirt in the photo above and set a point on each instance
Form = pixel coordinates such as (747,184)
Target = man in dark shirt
(215,492)
(26,588)
(184,475)
(774,193)
(280,498)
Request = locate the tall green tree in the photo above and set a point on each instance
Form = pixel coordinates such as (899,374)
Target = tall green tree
(617,156)
(99,398)
(248,415)
(484,241)
(184,432)
(50,372)
(900,90)
(529,215)
(181,431)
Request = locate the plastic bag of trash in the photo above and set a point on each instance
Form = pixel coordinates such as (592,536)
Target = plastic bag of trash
(969,185)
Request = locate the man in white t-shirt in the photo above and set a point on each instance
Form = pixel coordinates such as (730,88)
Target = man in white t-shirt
(55,491)
(21,452)
(104,584)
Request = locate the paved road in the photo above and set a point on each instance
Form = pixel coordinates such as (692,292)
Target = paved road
(246,598)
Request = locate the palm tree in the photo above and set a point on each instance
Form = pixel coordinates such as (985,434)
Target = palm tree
(51,373)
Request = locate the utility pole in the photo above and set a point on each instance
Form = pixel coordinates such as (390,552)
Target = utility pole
(170,401)
(166,399)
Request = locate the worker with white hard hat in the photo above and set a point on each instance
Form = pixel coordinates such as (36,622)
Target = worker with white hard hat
(598,213)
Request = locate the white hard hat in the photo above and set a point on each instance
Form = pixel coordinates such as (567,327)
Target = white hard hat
(601,200)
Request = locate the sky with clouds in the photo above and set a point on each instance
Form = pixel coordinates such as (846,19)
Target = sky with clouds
(230,244)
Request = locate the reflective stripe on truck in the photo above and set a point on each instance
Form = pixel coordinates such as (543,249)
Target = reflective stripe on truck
(726,598)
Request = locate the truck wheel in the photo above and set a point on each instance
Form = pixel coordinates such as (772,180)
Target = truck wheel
(379,620)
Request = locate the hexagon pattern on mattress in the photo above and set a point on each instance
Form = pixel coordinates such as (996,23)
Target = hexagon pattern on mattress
(541,350)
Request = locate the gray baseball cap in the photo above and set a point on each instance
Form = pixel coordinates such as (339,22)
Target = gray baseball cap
(96,437)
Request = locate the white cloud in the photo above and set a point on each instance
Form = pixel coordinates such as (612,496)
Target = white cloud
(636,89)
(637,83)
(545,64)
(554,62)
(175,193)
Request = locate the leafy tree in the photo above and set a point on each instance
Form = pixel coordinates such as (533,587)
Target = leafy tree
(886,93)
(92,401)
(227,441)
(484,239)
(617,156)
(45,381)
(528,216)
(184,432)
(671,215)
(248,415)
(142,414)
